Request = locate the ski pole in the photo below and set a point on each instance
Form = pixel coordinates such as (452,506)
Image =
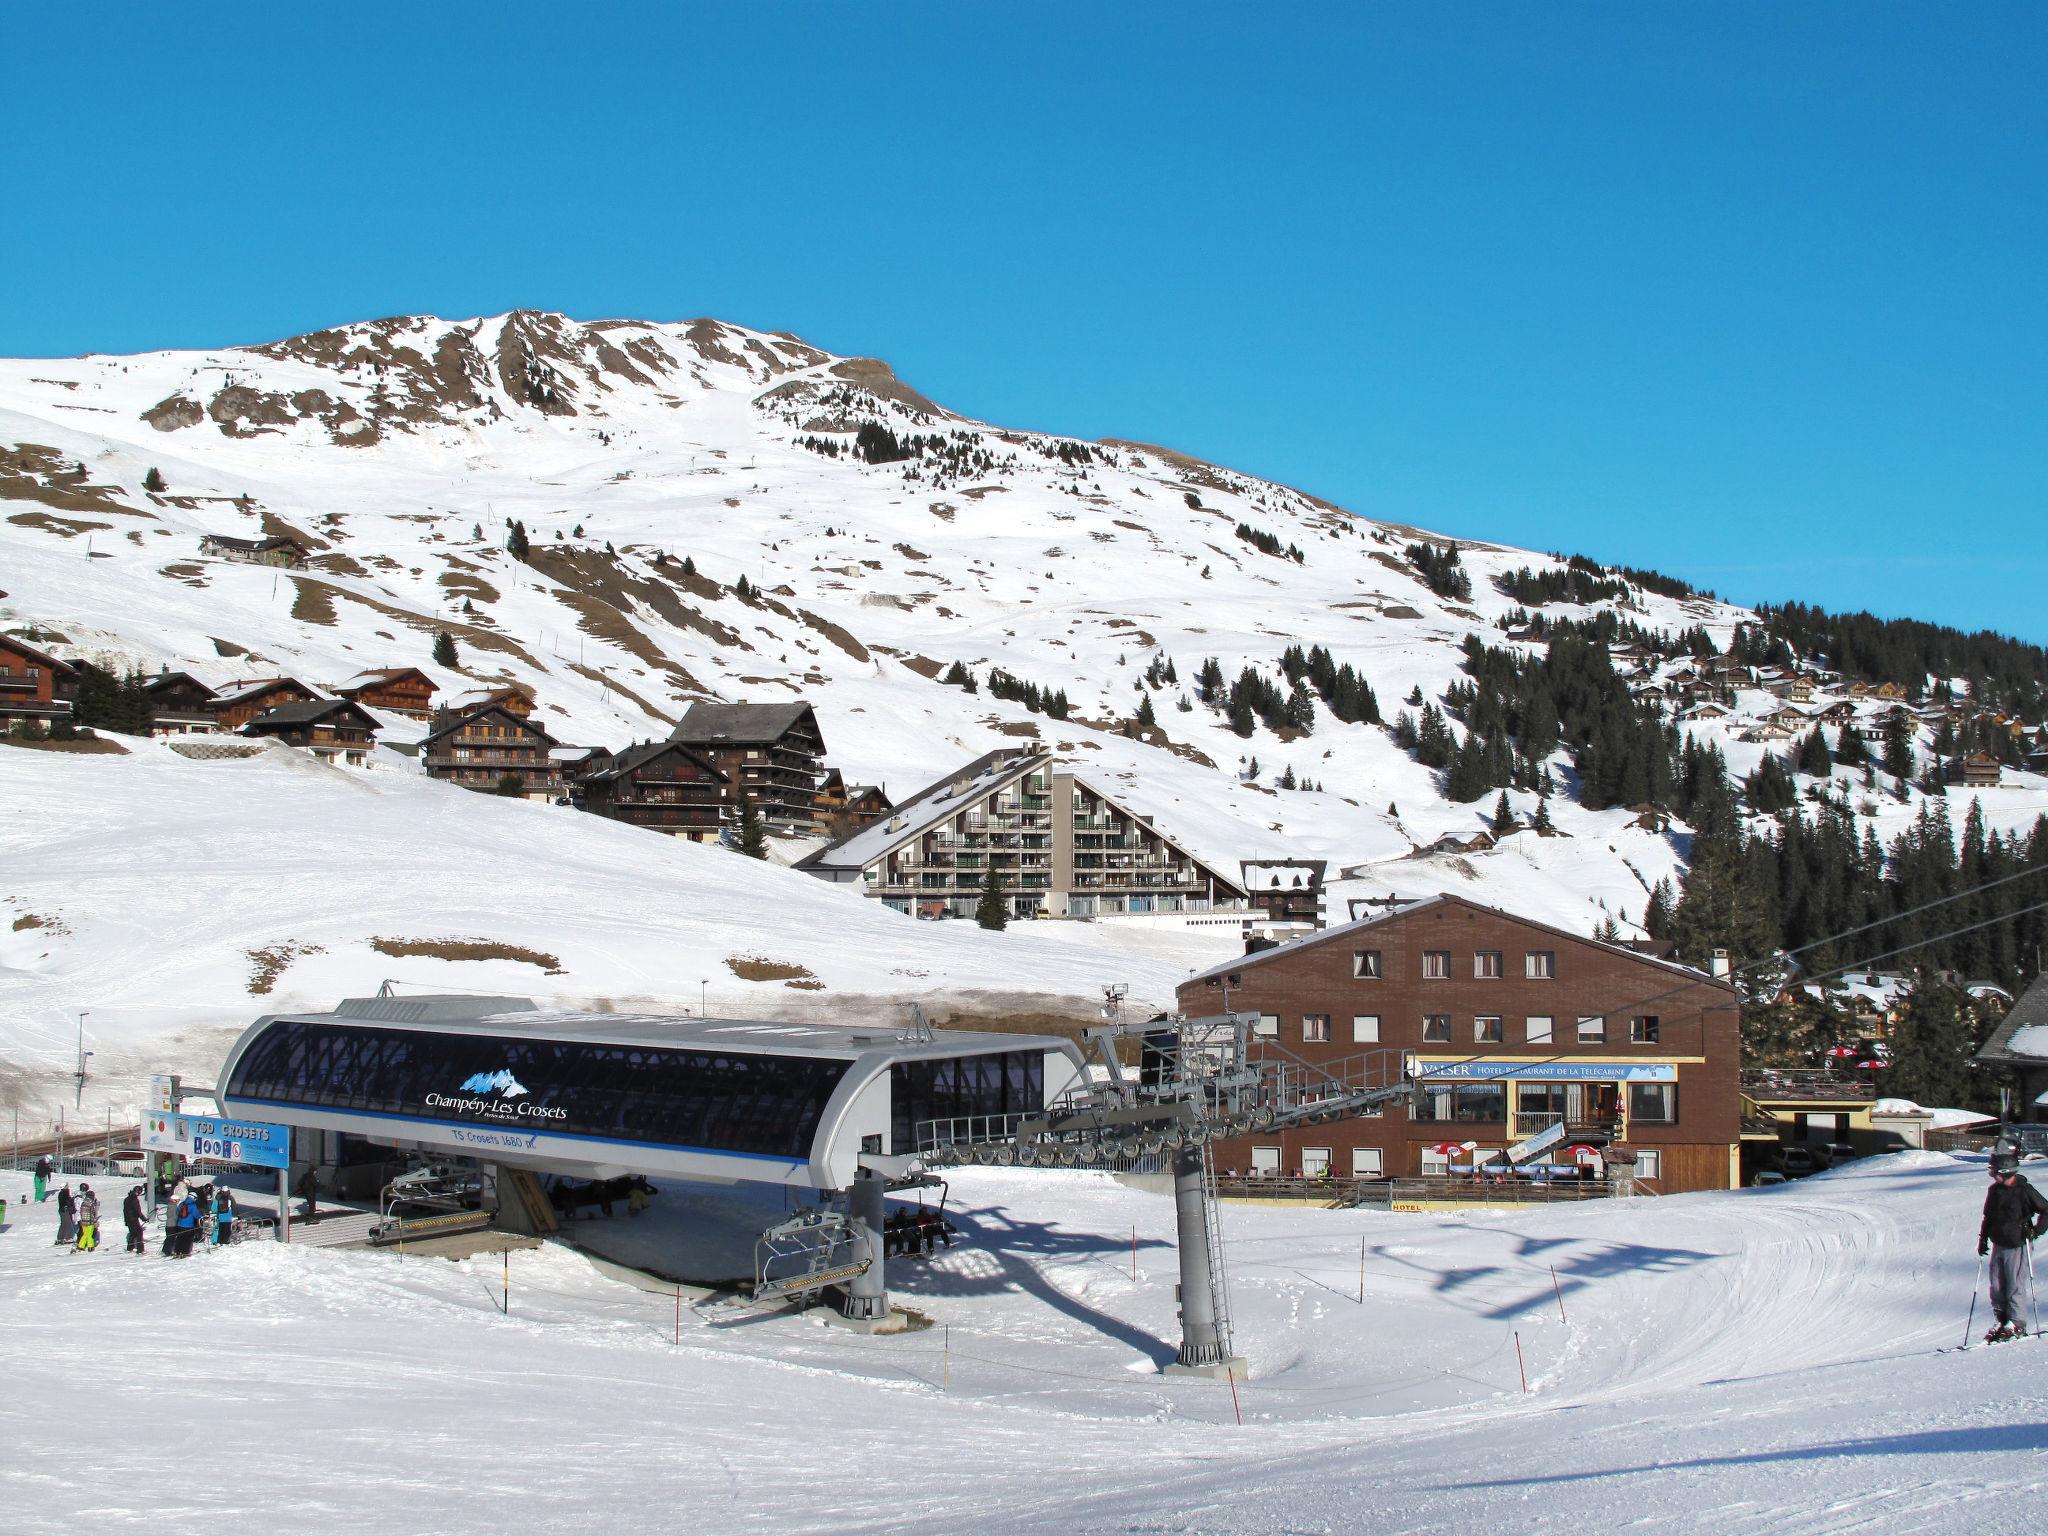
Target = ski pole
(1971,1322)
(2033,1296)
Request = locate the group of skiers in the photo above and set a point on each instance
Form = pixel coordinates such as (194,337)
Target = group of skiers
(2014,1215)
(205,1214)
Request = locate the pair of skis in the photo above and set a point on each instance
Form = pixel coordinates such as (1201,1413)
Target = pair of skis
(2004,1333)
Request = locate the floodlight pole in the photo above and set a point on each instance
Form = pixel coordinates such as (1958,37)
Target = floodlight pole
(82,1054)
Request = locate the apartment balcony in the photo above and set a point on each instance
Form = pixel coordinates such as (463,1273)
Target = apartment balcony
(1576,1127)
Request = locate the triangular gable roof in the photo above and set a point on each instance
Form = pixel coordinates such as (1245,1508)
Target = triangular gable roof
(371,679)
(1360,925)
(310,714)
(166,679)
(465,716)
(703,723)
(634,758)
(41,657)
(253,687)
(2031,1009)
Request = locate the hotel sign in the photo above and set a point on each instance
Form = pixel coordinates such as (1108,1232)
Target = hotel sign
(1546,1072)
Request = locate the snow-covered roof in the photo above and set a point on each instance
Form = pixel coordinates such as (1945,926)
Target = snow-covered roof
(2021,1038)
(931,805)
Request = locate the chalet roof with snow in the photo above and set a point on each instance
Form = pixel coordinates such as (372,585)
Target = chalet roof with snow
(637,757)
(255,687)
(165,680)
(2021,1038)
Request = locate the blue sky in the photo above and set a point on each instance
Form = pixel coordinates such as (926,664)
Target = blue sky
(1752,293)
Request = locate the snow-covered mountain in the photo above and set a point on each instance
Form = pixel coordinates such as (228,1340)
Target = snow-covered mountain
(654,467)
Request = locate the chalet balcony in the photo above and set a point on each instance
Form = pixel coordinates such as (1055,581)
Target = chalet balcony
(1576,1127)
(1805,1083)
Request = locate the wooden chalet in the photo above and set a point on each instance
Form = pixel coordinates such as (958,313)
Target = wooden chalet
(773,752)
(867,804)
(396,690)
(1974,770)
(237,704)
(181,705)
(335,729)
(485,748)
(1287,890)
(662,785)
(516,697)
(288,554)
(34,685)
(830,799)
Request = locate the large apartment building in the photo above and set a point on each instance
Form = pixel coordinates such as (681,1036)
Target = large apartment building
(1059,844)
(1509,1027)
(774,752)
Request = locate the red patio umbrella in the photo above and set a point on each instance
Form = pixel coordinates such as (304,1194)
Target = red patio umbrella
(1872,1066)
(1580,1152)
(1448,1148)
(1842,1050)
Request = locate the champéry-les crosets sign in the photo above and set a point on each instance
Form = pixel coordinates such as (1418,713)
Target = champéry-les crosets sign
(494,1096)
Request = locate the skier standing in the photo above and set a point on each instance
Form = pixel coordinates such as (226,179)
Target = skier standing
(2014,1215)
(43,1172)
(67,1218)
(131,1217)
(88,1219)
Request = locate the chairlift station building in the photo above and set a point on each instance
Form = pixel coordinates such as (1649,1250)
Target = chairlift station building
(597,1095)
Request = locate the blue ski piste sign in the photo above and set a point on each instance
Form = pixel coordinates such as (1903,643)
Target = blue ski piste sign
(252,1143)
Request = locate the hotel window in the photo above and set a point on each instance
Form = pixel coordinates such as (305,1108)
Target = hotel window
(1436,1028)
(1486,1030)
(1434,1163)
(1315,1162)
(1644,1030)
(1649,1165)
(1486,965)
(1540,964)
(1436,965)
(1592,1031)
(1653,1103)
(1536,1029)
(1365,964)
(1365,1029)
(1265,1160)
(1315,1029)
(1367,1163)
(1268,1027)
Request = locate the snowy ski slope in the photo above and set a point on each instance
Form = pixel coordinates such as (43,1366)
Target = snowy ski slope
(1762,1361)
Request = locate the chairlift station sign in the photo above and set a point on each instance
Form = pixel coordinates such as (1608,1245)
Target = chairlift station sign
(251,1143)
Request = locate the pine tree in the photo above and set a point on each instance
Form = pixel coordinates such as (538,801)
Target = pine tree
(742,589)
(1931,1046)
(444,649)
(689,566)
(752,835)
(154,481)
(1543,823)
(476,532)
(1287,779)
(1145,713)
(1503,816)
(1813,755)
(516,545)
(993,910)
(577,531)
(1849,749)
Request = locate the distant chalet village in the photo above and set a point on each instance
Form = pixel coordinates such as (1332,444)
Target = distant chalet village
(1625,1065)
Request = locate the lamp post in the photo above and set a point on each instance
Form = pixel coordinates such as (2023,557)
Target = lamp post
(83,1054)
(704,998)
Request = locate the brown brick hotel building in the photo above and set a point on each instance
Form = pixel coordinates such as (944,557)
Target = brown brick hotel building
(1509,1026)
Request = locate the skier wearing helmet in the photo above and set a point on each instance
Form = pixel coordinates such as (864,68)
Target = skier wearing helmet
(2014,1215)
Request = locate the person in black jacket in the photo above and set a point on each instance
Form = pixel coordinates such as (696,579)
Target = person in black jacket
(131,1217)
(2014,1215)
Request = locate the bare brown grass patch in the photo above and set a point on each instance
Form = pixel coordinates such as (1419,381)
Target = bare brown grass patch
(466,949)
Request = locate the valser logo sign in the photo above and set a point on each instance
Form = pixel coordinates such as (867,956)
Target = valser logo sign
(494,1096)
